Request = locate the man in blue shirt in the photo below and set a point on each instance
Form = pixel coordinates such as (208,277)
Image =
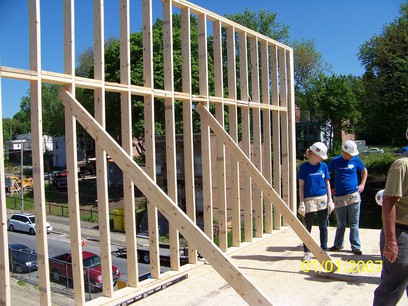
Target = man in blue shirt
(346,193)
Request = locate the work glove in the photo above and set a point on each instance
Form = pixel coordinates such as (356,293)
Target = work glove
(302,209)
(330,207)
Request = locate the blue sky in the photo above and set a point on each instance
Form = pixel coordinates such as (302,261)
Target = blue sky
(338,27)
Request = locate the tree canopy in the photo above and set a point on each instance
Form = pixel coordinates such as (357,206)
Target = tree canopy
(308,66)
(264,22)
(336,105)
(52,113)
(385,104)
(112,74)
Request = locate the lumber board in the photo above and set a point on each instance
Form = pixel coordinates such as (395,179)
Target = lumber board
(72,180)
(150,133)
(257,137)
(205,130)
(246,194)
(235,198)
(220,158)
(126,131)
(189,176)
(37,152)
(5,298)
(267,135)
(100,154)
(171,164)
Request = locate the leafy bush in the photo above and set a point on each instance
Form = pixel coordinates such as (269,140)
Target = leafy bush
(378,163)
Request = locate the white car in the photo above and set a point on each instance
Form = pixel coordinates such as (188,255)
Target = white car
(24,222)
(374,150)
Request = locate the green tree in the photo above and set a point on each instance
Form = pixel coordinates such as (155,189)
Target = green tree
(264,22)
(385,58)
(112,74)
(52,113)
(308,62)
(337,108)
(308,66)
(10,128)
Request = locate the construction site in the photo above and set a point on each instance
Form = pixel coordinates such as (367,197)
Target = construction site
(246,164)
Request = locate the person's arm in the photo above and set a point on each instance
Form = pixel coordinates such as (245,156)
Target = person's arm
(302,208)
(328,188)
(390,251)
(301,190)
(364,175)
(331,172)
(330,204)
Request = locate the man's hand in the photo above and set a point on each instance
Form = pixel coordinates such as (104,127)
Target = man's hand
(390,251)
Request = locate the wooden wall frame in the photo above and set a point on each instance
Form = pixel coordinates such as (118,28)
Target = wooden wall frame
(260,160)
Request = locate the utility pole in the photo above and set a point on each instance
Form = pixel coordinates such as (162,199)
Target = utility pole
(21,175)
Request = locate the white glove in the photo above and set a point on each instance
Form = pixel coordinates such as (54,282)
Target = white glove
(330,207)
(302,208)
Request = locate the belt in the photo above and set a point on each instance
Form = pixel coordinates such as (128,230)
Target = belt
(404,226)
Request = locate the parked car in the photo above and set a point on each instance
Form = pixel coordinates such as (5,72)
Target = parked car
(61,267)
(47,176)
(24,222)
(373,150)
(54,175)
(22,258)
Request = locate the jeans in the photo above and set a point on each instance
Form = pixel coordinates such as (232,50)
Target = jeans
(352,212)
(394,276)
(323,221)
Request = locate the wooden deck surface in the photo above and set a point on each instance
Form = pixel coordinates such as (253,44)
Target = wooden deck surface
(274,264)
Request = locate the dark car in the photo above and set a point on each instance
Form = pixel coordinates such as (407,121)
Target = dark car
(22,258)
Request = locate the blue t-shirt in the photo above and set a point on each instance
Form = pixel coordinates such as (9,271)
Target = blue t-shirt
(345,174)
(314,178)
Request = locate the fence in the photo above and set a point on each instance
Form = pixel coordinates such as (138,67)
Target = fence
(61,210)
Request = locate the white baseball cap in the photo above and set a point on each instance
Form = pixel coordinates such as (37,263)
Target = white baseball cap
(350,147)
(320,149)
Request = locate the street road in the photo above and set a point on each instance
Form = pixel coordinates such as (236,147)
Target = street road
(59,244)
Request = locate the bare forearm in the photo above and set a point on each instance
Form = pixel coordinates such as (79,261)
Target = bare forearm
(301,190)
(388,217)
(390,251)
(364,175)
(328,188)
